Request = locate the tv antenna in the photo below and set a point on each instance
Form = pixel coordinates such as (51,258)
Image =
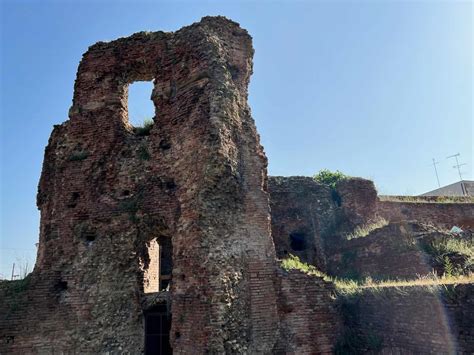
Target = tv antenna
(436,171)
(457,166)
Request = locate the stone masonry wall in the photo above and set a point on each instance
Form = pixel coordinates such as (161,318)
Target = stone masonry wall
(198,177)
(409,320)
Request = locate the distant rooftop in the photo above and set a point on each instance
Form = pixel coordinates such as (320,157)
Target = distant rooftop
(460,188)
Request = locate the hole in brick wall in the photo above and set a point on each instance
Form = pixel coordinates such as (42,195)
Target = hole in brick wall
(73,200)
(298,241)
(61,286)
(234,71)
(177,335)
(170,184)
(141,109)
(90,238)
(165,145)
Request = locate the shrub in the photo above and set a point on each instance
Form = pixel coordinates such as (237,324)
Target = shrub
(329,178)
(145,129)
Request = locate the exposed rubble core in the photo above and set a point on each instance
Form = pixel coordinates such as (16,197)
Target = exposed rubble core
(168,238)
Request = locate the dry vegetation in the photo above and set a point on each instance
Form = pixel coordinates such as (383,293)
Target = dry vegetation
(366,229)
(349,286)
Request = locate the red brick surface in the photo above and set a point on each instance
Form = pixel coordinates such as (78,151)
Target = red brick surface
(412,320)
(444,215)
(198,178)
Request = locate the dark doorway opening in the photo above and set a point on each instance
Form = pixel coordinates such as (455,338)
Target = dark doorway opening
(157,331)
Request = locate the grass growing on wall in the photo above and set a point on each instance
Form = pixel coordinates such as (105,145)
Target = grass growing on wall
(445,251)
(292,262)
(345,286)
(366,229)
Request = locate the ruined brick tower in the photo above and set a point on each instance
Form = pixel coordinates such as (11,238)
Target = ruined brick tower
(193,188)
(160,237)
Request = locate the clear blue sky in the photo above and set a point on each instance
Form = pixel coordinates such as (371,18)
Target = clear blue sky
(372,88)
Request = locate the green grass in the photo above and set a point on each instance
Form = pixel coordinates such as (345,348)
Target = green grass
(430,282)
(145,129)
(444,249)
(292,262)
(366,229)
(451,245)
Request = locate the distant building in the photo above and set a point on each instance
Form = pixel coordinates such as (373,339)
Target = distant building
(460,188)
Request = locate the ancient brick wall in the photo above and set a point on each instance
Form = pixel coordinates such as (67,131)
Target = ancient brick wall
(358,202)
(409,320)
(324,217)
(390,252)
(303,213)
(441,214)
(198,178)
(308,320)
